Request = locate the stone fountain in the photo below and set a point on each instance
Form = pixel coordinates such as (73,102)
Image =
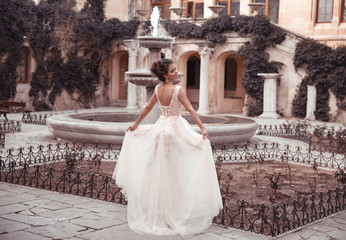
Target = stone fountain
(110,127)
(154,44)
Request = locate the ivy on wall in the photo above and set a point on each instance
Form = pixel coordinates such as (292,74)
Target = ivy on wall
(326,69)
(13,29)
(263,35)
(84,38)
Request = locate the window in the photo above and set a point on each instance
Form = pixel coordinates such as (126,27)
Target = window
(343,11)
(271,9)
(230,74)
(194,9)
(23,67)
(163,6)
(193,70)
(232,7)
(324,10)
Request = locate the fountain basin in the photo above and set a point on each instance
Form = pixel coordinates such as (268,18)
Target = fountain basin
(144,78)
(154,42)
(110,127)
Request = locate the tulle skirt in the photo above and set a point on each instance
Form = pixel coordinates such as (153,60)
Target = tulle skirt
(167,173)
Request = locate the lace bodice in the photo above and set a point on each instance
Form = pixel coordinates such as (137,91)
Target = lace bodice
(174,108)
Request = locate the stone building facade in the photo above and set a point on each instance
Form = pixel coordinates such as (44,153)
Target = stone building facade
(212,74)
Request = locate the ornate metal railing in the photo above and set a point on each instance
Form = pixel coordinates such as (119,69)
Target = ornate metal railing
(222,154)
(31,118)
(10,126)
(318,137)
(2,139)
(286,131)
(34,167)
(56,153)
(65,181)
(276,220)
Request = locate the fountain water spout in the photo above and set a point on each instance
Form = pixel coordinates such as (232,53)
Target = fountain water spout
(154,19)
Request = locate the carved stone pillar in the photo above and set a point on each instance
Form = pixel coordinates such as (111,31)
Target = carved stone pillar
(269,94)
(132,47)
(205,53)
(311,103)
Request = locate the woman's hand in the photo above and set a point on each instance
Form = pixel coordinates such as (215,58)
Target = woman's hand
(205,134)
(132,128)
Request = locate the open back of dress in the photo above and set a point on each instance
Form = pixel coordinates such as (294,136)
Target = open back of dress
(168,176)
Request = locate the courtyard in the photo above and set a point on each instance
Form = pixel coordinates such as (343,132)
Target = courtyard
(31,213)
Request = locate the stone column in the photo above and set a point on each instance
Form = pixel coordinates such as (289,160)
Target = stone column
(311,103)
(132,47)
(205,53)
(269,94)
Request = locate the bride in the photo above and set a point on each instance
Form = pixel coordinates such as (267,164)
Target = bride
(166,170)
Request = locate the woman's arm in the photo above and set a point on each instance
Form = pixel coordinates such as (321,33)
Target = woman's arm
(185,101)
(144,113)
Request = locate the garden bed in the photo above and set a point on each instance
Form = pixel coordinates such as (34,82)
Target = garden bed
(249,181)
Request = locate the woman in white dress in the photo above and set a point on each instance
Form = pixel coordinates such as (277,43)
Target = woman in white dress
(166,170)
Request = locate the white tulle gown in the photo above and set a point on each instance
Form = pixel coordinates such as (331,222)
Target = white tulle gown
(168,176)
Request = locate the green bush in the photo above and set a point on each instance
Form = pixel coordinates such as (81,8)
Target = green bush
(326,69)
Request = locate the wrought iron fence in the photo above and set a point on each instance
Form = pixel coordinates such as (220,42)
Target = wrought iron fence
(10,126)
(276,220)
(76,183)
(40,119)
(34,167)
(222,154)
(56,153)
(2,139)
(286,131)
(318,137)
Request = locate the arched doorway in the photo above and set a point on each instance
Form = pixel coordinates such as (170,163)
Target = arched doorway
(123,67)
(117,86)
(230,79)
(193,69)
(230,94)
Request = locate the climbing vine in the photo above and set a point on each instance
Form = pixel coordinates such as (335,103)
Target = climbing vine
(325,70)
(256,60)
(13,31)
(52,28)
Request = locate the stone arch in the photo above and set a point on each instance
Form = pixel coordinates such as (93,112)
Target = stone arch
(192,93)
(229,100)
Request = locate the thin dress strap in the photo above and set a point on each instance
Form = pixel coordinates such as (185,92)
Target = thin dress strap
(157,96)
(176,91)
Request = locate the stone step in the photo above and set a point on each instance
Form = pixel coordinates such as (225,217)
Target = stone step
(119,103)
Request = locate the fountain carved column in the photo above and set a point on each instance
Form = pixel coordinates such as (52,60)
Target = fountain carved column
(269,94)
(132,47)
(311,103)
(205,53)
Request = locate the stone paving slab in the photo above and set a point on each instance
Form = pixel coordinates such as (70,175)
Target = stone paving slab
(85,218)
(22,235)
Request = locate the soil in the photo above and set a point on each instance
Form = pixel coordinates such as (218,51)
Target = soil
(237,180)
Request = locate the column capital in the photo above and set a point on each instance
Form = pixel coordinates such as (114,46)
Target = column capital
(205,52)
(131,46)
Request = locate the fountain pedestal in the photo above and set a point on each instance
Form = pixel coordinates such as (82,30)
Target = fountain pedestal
(144,77)
(132,47)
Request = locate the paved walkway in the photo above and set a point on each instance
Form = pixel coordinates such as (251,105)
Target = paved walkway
(29,213)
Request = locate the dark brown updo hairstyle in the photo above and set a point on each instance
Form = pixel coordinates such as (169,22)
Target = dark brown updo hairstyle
(160,68)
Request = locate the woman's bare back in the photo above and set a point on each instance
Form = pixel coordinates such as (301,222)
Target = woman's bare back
(165,94)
